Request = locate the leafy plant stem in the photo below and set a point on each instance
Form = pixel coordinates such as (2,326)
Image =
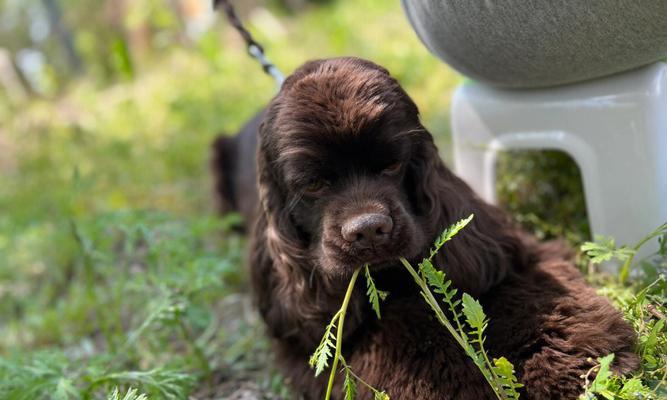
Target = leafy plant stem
(457,320)
(625,269)
(445,322)
(433,302)
(480,339)
(357,377)
(339,332)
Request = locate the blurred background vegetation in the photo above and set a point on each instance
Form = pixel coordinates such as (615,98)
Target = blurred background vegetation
(115,271)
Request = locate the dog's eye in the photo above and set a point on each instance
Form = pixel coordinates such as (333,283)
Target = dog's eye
(314,187)
(393,169)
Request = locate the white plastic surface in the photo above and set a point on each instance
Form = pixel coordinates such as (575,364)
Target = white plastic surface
(615,129)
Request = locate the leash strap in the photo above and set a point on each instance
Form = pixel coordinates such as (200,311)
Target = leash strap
(255,50)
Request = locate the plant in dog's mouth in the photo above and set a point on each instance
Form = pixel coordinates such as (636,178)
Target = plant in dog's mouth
(467,326)
(500,373)
(320,358)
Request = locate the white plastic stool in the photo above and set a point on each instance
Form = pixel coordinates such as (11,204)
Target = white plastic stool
(615,129)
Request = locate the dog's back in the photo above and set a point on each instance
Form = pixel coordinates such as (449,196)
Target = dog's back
(235,171)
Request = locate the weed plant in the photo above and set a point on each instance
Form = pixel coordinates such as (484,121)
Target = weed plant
(468,333)
(645,310)
(468,323)
(499,374)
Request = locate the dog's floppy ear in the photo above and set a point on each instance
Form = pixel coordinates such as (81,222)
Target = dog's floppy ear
(483,253)
(282,239)
(280,271)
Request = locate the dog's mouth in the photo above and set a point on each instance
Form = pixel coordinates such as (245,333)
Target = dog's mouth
(376,263)
(377,237)
(337,261)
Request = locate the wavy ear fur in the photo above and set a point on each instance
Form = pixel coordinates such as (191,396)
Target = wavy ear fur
(485,251)
(295,301)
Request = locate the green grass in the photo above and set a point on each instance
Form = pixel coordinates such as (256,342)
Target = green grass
(115,271)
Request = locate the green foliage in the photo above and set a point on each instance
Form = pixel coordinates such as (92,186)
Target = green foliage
(131,394)
(660,233)
(603,373)
(112,262)
(543,191)
(505,374)
(645,310)
(113,268)
(448,234)
(604,249)
(380,395)
(138,308)
(354,380)
(374,295)
(474,314)
(320,358)
(499,374)
(611,387)
(643,305)
(349,385)
(164,383)
(50,373)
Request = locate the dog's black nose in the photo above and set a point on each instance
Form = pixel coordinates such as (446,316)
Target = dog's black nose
(367,229)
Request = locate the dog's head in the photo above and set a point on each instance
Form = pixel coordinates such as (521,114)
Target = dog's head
(347,173)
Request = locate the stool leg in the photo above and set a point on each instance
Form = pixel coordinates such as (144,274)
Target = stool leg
(474,157)
(615,129)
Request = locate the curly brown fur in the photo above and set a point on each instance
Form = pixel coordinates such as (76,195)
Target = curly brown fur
(341,147)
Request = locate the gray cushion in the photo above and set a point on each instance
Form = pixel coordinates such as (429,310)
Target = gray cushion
(536,43)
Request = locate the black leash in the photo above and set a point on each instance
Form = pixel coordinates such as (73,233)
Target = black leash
(254,49)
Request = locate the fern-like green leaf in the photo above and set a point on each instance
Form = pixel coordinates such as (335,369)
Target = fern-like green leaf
(474,313)
(600,382)
(380,395)
(604,249)
(374,295)
(606,385)
(350,385)
(500,374)
(131,394)
(165,383)
(436,279)
(449,233)
(505,372)
(320,358)
(632,387)
(65,390)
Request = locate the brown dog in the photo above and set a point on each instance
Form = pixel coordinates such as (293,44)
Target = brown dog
(347,175)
